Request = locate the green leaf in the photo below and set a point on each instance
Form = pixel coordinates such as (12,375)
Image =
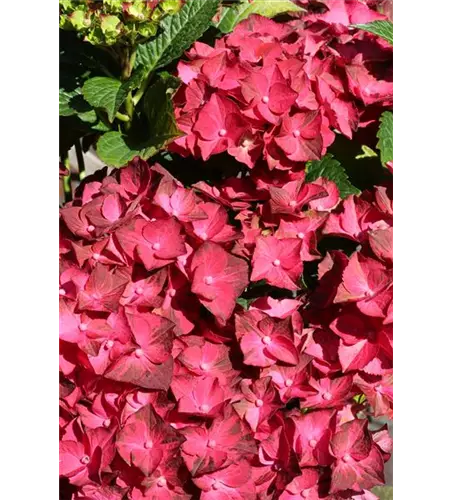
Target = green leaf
(79,61)
(329,168)
(113,150)
(232,16)
(70,92)
(65,101)
(381,28)
(384,135)
(159,111)
(116,149)
(106,93)
(180,31)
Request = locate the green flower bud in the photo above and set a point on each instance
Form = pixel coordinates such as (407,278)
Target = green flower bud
(146,30)
(65,24)
(113,6)
(65,5)
(171,6)
(111,28)
(138,10)
(109,22)
(95,36)
(79,20)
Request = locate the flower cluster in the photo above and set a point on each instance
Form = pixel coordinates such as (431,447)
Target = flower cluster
(278,91)
(108,22)
(195,363)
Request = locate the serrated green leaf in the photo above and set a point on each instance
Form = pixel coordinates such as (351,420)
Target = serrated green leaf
(180,31)
(384,134)
(381,28)
(106,93)
(116,149)
(329,168)
(232,16)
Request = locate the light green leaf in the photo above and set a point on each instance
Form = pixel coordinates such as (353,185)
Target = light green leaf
(381,28)
(384,134)
(232,16)
(180,31)
(329,168)
(106,93)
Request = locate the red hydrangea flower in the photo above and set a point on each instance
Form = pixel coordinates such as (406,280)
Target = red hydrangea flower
(146,441)
(83,461)
(300,136)
(203,396)
(306,486)
(265,341)
(218,279)
(277,261)
(312,437)
(259,401)
(219,126)
(230,482)
(359,464)
(225,442)
(148,362)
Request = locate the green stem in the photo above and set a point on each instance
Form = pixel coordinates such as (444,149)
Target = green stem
(129,107)
(143,87)
(122,117)
(128,63)
(80,160)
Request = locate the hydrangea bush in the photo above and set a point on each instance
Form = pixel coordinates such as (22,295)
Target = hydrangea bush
(226,306)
